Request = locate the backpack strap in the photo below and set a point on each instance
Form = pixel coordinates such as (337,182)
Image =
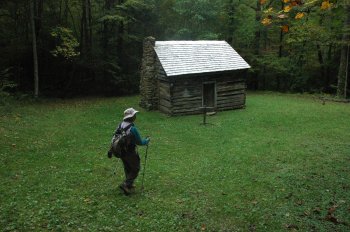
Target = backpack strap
(128,127)
(119,128)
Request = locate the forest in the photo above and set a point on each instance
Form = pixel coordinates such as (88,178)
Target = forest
(68,48)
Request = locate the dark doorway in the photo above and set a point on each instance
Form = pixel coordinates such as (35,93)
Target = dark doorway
(209,95)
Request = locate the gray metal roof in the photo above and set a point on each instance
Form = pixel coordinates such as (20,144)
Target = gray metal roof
(193,57)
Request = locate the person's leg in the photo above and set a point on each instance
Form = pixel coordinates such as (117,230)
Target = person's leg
(126,166)
(127,169)
(134,164)
(131,163)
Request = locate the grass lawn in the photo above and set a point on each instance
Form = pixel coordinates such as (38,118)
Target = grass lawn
(281,164)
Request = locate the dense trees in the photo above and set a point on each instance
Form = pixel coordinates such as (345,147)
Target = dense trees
(94,46)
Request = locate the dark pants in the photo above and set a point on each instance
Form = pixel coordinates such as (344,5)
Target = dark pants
(131,162)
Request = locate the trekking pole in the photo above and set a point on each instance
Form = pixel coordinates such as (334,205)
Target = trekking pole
(144,168)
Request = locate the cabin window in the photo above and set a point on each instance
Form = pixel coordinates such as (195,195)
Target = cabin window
(209,94)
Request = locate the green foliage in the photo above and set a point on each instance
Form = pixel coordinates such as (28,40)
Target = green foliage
(278,66)
(67,44)
(244,33)
(128,12)
(113,19)
(195,19)
(123,25)
(6,85)
(281,163)
(311,43)
(309,33)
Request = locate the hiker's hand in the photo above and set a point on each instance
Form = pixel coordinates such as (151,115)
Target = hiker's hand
(148,139)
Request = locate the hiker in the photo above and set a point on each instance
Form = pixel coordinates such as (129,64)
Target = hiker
(131,158)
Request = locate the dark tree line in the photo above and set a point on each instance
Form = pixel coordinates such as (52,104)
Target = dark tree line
(88,47)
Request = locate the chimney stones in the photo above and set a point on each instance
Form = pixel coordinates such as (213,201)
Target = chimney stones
(148,80)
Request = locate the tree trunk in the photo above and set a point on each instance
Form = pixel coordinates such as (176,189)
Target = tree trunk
(321,61)
(120,38)
(86,30)
(38,14)
(106,27)
(280,49)
(258,31)
(60,13)
(64,9)
(255,77)
(35,54)
(280,53)
(68,11)
(230,13)
(343,72)
(328,69)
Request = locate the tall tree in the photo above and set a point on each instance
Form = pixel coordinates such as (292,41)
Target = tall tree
(309,24)
(35,52)
(86,29)
(344,58)
(300,50)
(120,35)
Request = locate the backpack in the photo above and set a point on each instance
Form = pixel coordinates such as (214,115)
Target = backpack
(121,141)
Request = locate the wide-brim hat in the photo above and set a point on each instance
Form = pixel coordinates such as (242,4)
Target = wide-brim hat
(129,113)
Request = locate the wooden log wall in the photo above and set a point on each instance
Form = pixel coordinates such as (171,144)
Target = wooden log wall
(183,95)
(165,97)
(164,90)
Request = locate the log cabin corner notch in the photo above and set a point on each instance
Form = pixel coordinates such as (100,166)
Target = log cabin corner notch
(179,77)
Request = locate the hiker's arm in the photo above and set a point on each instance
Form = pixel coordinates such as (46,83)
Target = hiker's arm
(138,138)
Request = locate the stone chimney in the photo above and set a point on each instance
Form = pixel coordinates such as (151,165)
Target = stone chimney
(148,80)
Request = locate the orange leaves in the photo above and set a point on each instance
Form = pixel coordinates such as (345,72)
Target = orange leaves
(296,3)
(287,8)
(292,9)
(266,21)
(269,12)
(299,15)
(292,4)
(285,28)
(325,5)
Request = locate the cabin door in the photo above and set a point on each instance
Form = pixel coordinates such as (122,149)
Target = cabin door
(209,94)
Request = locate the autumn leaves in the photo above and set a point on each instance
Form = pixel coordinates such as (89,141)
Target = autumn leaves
(295,9)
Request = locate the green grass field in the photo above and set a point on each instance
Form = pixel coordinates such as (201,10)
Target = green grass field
(281,164)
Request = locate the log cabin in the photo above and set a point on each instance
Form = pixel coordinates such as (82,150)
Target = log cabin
(182,77)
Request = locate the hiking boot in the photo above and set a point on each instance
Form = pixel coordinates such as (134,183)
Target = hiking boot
(132,188)
(125,189)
